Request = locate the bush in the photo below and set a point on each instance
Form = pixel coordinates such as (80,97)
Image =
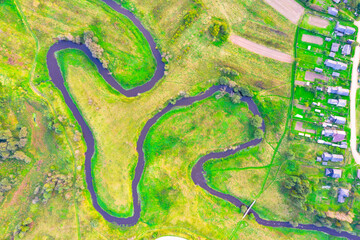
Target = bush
(258,134)
(256,121)
(224,81)
(229,72)
(235,98)
(246,92)
(219,30)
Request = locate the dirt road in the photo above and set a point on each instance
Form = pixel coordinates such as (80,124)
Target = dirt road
(288,8)
(260,49)
(353,90)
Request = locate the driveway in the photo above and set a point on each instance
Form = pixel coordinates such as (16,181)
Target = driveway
(260,49)
(353,90)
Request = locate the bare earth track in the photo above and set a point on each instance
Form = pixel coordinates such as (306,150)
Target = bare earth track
(260,49)
(288,8)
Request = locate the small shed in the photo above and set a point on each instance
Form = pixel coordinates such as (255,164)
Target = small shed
(342,194)
(333,11)
(326,156)
(335,74)
(346,50)
(342,103)
(335,47)
(318,70)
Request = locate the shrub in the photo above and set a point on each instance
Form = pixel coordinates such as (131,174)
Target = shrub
(235,98)
(219,30)
(246,92)
(229,72)
(224,81)
(256,121)
(258,134)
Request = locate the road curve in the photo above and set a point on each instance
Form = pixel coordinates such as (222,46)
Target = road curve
(353,90)
(197,173)
(261,50)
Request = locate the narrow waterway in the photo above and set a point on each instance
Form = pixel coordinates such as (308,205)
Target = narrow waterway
(197,172)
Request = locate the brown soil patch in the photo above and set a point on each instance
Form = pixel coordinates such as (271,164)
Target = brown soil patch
(312,39)
(288,8)
(311,76)
(299,127)
(300,83)
(318,22)
(348,217)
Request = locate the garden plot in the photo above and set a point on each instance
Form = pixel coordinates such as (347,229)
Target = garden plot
(318,22)
(312,39)
(299,127)
(311,76)
(289,8)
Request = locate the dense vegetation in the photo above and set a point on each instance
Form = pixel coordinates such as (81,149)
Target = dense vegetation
(219,30)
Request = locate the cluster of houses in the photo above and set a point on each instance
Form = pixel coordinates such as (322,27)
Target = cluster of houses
(345,50)
(343,193)
(331,125)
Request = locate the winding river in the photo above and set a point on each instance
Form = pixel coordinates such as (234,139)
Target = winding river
(197,173)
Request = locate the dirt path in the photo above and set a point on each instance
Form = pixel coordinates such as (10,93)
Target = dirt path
(260,49)
(353,90)
(288,8)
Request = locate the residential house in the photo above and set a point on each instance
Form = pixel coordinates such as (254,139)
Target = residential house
(358,174)
(334,173)
(341,103)
(335,64)
(337,102)
(336,1)
(327,39)
(337,158)
(332,157)
(338,135)
(332,54)
(346,50)
(335,47)
(337,120)
(338,90)
(333,11)
(333,101)
(344,29)
(326,156)
(342,194)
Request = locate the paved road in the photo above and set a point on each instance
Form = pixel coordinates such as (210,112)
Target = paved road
(288,8)
(260,49)
(353,90)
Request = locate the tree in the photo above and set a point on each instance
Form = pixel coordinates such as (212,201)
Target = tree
(256,121)
(214,30)
(243,208)
(224,80)
(289,155)
(258,134)
(235,98)
(246,92)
